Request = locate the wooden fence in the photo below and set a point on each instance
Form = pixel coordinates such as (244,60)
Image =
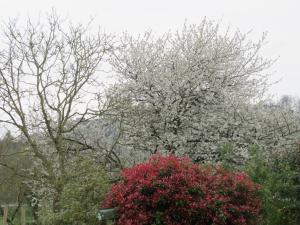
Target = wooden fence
(5,214)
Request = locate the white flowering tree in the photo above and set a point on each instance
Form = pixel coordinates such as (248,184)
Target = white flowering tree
(196,90)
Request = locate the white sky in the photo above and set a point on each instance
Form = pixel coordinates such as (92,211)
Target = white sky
(280,18)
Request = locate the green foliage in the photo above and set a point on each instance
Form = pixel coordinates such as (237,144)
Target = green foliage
(281,203)
(279,178)
(84,189)
(226,155)
(14,160)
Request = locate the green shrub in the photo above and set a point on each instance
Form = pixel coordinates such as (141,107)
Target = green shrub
(278,178)
(79,201)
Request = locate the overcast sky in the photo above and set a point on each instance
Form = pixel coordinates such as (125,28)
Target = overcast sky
(280,18)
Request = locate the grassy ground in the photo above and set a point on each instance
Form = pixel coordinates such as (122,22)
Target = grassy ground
(17,221)
(30,220)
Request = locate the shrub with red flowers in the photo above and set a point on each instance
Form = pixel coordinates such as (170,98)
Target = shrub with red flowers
(174,191)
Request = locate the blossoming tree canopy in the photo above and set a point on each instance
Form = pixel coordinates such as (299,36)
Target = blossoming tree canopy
(199,88)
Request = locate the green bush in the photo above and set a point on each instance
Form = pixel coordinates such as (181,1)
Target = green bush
(79,201)
(279,182)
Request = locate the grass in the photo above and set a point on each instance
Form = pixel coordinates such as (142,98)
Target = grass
(30,220)
(17,221)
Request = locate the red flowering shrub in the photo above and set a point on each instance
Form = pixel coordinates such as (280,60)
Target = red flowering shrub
(173,191)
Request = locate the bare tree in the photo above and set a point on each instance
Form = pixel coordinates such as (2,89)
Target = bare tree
(48,87)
